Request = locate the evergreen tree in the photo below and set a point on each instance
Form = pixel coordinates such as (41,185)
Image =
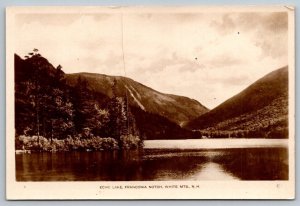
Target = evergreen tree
(88,113)
(117,124)
(43,92)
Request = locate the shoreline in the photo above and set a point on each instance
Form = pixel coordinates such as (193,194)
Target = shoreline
(214,143)
(191,144)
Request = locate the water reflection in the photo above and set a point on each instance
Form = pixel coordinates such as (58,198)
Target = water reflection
(212,171)
(210,164)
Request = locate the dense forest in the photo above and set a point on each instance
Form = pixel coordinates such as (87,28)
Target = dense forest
(50,115)
(53,112)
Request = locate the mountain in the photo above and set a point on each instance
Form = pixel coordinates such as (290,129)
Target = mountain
(177,109)
(51,103)
(262,108)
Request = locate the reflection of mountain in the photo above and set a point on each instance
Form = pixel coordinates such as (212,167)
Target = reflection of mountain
(262,108)
(220,164)
(175,108)
(212,171)
(257,163)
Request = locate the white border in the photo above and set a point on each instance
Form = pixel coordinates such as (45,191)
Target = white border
(91,190)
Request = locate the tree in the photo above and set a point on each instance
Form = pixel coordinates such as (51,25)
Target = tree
(88,113)
(117,118)
(35,51)
(25,118)
(58,114)
(118,121)
(44,92)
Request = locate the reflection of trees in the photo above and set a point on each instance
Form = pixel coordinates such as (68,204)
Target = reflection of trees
(173,164)
(246,164)
(255,163)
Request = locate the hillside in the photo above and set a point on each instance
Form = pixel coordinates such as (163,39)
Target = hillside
(260,109)
(175,108)
(53,104)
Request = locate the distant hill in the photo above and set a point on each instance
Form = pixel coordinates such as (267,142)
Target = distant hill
(262,109)
(177,109)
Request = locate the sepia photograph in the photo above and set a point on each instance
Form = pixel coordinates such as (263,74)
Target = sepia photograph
(150,102)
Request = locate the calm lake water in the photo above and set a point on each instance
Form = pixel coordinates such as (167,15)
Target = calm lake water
(161,160)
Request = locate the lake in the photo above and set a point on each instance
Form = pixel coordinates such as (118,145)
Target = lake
(205,159)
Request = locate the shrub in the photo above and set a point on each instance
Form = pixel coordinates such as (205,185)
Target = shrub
(109,143)
(130,142)
(30,142)
(58,145)
(76,143)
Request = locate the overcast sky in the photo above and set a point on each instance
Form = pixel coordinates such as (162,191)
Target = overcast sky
(205,56)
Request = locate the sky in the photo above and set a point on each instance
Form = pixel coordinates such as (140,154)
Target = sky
(205,56)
